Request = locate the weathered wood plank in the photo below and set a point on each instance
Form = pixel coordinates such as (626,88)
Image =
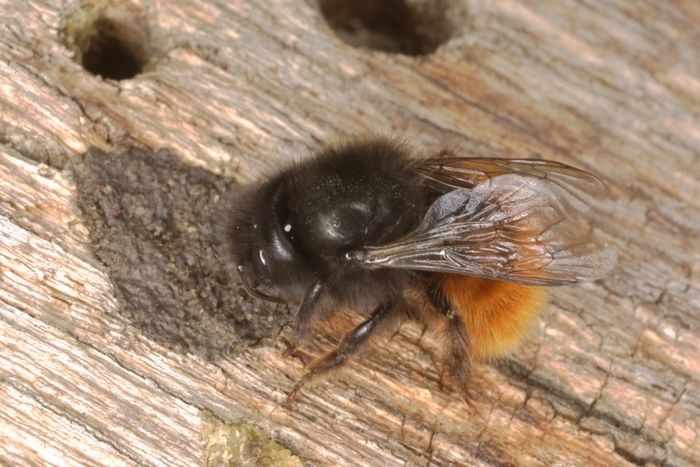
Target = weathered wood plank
(612,372)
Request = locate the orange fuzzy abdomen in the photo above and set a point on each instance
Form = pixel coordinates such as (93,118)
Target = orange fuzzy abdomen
(497,314)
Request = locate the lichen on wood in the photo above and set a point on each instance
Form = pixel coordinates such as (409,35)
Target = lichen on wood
(242,445)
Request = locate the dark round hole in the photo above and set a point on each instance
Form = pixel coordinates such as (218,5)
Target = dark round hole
(110,39)
(112,52)
(416,27)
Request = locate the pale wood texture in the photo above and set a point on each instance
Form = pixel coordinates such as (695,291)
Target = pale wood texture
(611,374)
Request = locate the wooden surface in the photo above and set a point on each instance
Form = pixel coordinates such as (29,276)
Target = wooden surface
(611,374)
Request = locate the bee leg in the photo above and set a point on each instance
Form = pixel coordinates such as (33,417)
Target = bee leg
(351,343)
(458,357)
(305,316)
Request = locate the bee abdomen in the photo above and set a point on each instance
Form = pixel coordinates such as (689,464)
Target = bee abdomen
(497,314)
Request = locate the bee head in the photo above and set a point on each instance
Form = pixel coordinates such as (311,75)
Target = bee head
(260,240)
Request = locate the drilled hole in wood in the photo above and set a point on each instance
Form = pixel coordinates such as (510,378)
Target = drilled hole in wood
(410,27)
(110,39)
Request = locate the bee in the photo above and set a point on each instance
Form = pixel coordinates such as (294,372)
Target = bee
(464,243)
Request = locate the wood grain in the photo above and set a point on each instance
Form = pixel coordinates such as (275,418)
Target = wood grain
(611,374)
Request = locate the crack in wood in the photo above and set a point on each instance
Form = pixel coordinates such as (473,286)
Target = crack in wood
(518,371)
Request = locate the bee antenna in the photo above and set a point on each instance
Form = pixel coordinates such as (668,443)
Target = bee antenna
(252,291)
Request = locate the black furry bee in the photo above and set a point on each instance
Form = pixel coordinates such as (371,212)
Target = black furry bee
(458,242)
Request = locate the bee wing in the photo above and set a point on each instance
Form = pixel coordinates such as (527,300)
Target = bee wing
(459,172)
(516,220)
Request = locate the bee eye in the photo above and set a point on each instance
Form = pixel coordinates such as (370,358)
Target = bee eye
(263,257)
(260,264)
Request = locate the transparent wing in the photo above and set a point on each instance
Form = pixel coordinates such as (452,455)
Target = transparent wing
(459,172)
(514,220)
